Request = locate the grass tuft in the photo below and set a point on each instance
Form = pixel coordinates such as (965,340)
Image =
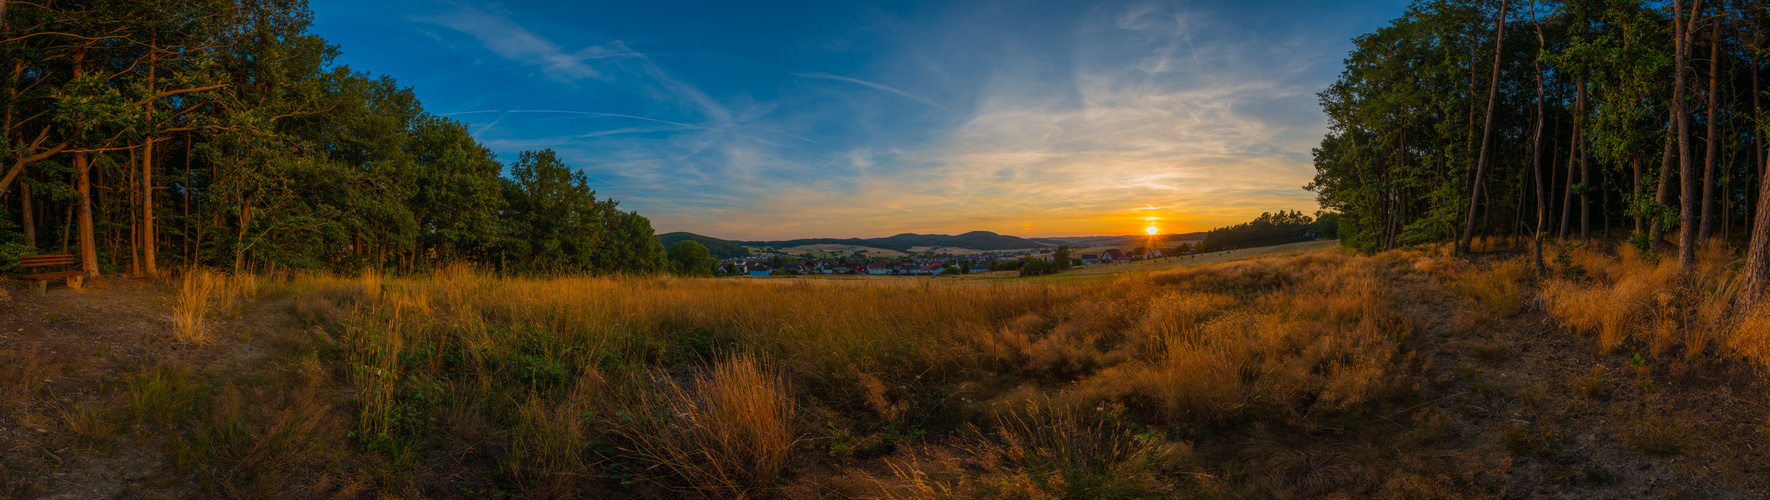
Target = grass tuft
(728,431)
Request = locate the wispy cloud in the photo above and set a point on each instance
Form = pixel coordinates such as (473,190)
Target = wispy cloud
(872,85)
(612,115)
(469,112)
(1129,135)
(1034,118)
(511,41)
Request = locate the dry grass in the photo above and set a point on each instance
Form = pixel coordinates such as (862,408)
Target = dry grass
(1624,297)
(1496,287)
(21,375)
(1751,337)
(197,290)
(726,433)
(1038,450)
(203,293)
(561,386)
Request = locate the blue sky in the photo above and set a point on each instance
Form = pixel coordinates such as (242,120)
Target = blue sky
(866,119)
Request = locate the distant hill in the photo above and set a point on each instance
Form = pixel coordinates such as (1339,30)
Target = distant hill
(1129,239)
(975,240)
(720,249)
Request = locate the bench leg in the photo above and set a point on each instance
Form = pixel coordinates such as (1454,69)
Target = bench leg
(39,287)
(74,281)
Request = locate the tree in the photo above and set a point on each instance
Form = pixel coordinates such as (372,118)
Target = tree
(690,258)
(223,133)
(1493,93)
(1682,29)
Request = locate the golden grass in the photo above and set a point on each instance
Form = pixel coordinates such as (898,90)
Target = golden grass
(727,432)
(1623,297)
(197,288)
(1039,449)
(567,383)
(1496,287)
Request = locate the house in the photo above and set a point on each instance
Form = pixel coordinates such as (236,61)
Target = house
(981,266)
(758,269)
(1113,255)
(878,268)
(1089,259)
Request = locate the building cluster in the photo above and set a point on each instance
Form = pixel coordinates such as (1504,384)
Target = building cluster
(978,263)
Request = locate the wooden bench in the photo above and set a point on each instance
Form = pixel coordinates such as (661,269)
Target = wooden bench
(41,279)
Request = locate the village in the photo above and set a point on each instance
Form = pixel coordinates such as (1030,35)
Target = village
(932,263)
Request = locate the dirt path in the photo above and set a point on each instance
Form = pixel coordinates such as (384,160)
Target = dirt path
(66,358)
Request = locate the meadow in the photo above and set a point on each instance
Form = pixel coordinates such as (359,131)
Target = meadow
(1407,374)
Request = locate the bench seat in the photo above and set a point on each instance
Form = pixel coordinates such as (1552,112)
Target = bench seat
(50,276)
(41,283)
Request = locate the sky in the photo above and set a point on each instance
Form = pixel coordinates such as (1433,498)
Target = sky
(777,120)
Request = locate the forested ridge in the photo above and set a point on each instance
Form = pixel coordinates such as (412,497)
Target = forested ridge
(1571,120)
(144,134)
(1270,229)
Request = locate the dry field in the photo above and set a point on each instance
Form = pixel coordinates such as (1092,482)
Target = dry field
(1300,372)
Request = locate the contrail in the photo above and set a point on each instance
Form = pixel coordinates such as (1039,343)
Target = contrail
(606,114)
(872,85)
(468,112)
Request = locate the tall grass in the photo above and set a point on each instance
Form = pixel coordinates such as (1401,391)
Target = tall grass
(1622,296)
(568,384)
(203,293)
(197,289)
(727,432)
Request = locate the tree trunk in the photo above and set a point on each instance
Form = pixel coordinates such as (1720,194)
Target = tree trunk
(1493,91)
(1585,171)
(1635,165)
(148,238)
(67,226)
(1536,154)
(88,244)
(1567,188)
(1662,194)
(24,192)
(240,237)
(134,222)
(185,239)
(1708,171)
(1686,168)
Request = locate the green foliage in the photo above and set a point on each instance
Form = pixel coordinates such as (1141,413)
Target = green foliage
(1033,266)
(266,153)
(720,249)
(689,258)
(1406,120)
(1267,230)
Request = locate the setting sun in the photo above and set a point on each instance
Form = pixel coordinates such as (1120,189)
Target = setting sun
(1151,230)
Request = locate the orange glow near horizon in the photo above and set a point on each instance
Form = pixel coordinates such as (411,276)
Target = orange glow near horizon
(1152,230)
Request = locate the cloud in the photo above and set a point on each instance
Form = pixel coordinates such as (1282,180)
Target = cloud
(1070,119)
(871,85)
(1156,117)
(510,40)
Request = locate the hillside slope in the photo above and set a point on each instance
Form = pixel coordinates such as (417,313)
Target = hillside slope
(975,240)
(720,249)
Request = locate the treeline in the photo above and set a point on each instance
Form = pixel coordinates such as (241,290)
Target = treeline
(1566,119)
(1270,229)
(143,134)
